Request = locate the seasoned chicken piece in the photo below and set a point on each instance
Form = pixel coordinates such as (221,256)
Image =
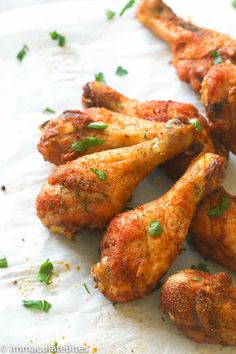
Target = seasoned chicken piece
(97,94)
(140,245)
(77,133)
(218,95)
(201,305)
(90,190)
(195,50)
(214,228)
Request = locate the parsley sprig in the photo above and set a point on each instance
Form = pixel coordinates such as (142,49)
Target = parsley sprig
(155,229)
(3,263)
(217,57)
(110,14)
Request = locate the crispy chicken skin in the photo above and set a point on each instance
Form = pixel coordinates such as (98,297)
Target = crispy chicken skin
(201,305)
(59,134)
(132,260)
(215,236)
(218,95)
(89,191)
(97,94)
(192,47)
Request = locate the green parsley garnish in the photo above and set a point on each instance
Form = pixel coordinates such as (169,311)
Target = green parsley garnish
(234,3)
(196,279)
(22,53)
(121,71)
(197,124)
(155,229)
(58,37)
(101,174)
(86,288)
(48,110)
(3,263)
(85,144)
(201,266)
(218,211)
(45,272)
(129,4)
(55,346)
(100,77)
(121,105)
(110,14)
(217,57)
(41,305)
(98,126)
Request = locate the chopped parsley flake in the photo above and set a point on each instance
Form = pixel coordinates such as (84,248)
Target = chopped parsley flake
(155,229)
(58,37)
(85,144)
(86,288)
(217,57)
(45,272)
(100,77)
(41,305)
(197,124)
(101,174)
(3,263)
(110,14)
(127,6)
(120,71)
(48,110)
(22,53)
(98,126)
(219,211)
(196,279)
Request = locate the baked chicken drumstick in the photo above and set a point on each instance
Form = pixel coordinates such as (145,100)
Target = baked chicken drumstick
(214,228)
(140,245)
(201,305)
(218,95)
(97,94)
(77,133)
(89,191)
(194,50)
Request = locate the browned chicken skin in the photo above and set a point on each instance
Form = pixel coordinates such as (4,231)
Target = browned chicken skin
(97,94)
(59,134)
(140,245)
(90,190)
(214,228)
(192,47)
(201,305)
(218,95)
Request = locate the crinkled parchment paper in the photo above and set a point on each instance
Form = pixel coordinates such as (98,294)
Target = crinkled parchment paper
(51,76)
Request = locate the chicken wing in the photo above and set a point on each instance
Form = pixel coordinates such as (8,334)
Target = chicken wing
(90,190)
(97,94)
(194,50)
(214,228)
(140,245)
(63,138)
(201,305)
(218,95)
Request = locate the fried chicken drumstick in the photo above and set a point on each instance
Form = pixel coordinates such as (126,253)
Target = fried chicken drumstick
(89,191)
(214,228)
(140,245)
(201,305)
(194,49)
(77,133)
(218,95)
(97,94)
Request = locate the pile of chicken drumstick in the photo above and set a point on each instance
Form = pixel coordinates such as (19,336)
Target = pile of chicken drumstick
(104,152)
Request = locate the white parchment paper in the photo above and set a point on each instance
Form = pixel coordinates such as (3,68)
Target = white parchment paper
(51,76)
